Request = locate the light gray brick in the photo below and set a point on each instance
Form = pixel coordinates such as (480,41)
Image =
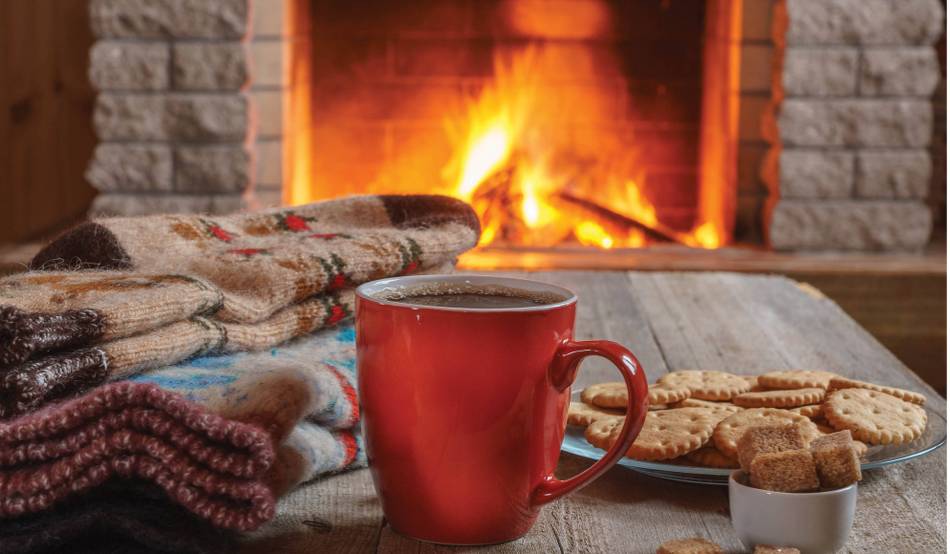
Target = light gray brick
(893,174)
(891,22)
(131,167)
(209,66)
(849,225)
(199,117)
(893,123)
(219,19)
(899,72)
(820,71)
(816,173)
(116,65)
(212,169)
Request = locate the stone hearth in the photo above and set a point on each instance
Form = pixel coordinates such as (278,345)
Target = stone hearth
(835,125)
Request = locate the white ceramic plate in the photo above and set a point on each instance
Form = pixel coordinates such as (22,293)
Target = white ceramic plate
(934,436)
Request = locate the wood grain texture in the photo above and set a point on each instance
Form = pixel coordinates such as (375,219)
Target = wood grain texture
(46,105)
(740,323)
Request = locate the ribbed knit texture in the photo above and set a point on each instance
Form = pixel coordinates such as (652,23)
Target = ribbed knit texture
(121,517)
(304,390)
(214,467)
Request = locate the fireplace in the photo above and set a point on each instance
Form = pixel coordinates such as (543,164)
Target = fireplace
(600,124)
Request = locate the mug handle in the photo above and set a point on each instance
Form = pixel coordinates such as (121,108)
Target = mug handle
(562,372)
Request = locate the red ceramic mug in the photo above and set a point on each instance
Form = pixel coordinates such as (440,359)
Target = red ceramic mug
(464,409)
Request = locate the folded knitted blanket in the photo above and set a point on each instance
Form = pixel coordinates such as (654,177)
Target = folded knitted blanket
(121,517)
(157,290)
(222,436)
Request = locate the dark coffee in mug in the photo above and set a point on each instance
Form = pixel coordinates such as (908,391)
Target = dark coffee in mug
(473,297)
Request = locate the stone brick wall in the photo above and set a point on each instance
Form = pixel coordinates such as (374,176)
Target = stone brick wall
(173,115)
(853,124)
(836,115)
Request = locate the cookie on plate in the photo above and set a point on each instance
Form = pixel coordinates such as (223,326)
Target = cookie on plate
(874,417)
(665,434)
(839,383)
(729,430)
(606,395)
(582,414)
(791,398)
(689,546)
(707,385)
(796,379)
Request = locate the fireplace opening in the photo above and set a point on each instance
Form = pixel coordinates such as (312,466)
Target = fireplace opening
(601,124)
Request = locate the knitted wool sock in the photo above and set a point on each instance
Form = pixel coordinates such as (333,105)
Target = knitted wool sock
(253,281)
(119,517)
(262,262)
(214,467)
(317,375)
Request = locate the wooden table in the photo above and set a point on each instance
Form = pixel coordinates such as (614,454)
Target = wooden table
(724,321)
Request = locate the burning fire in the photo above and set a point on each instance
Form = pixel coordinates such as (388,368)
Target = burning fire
(532,185)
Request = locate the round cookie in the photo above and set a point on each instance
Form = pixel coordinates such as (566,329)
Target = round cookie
(810,411)
(729,430)
(606,395)
(874,417)
(707,385)
(697,403)
(659,393)
(689,546)
(665,435)
(779,398)
(614,395)
(579,413)
(708,456)
(839,383)
(796,379)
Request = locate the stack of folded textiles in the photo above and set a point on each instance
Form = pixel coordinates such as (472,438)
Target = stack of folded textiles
(232,386)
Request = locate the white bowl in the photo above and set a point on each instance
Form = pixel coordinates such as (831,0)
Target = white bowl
(813,522)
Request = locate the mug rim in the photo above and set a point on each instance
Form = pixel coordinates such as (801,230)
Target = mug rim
(748,489)
(367,290)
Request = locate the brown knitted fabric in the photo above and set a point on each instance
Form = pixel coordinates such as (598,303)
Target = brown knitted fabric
(121,517)
(216,468)
(195,284)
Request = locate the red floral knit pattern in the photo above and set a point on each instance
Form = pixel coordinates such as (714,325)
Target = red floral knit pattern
(212,466)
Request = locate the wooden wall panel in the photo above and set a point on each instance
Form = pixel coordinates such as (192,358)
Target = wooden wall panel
(46,103)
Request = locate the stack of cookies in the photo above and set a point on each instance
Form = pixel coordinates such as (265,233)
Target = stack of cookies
(698,417)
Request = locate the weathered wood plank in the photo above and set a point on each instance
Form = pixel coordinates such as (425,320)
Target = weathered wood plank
(739,323)
(337,514)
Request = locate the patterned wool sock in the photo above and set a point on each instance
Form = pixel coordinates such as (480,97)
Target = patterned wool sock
(263,262)
(313,375)
(253,281)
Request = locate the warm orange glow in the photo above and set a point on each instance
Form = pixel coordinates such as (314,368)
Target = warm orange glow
(527,151)
(511,163)
(589,233)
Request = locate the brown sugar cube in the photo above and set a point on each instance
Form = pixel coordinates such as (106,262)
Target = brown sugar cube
(769,549)
(768,438)
(837,464)
(832,439)
(788,471)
